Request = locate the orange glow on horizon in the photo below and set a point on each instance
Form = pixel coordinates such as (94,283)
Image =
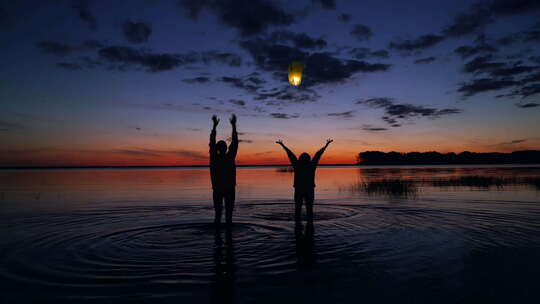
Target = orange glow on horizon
(258,153)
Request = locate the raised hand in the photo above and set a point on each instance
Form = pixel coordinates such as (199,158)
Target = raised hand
(233,119)
(215,120)
(329,141)
(279,142)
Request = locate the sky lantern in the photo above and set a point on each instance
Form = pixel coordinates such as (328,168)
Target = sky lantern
(295,72)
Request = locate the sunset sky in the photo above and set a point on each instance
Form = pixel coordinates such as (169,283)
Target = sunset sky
(136,82)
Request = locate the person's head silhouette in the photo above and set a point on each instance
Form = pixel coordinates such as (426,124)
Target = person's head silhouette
(221,148)
(304,158)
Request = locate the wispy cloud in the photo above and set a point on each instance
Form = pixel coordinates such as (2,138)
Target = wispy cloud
(394,112)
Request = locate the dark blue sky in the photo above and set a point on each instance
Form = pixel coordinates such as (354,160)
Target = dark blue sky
(103,82)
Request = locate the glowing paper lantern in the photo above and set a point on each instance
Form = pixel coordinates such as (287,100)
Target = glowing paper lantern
(295,73)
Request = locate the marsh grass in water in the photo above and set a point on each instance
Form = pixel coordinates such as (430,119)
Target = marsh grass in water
(532,181)
(390,187)
(409,188)
(485,182)
(473,181)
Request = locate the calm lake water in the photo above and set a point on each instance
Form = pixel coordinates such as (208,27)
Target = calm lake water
(407,234)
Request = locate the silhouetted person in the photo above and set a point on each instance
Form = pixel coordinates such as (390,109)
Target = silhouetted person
(304,179)
(223,171)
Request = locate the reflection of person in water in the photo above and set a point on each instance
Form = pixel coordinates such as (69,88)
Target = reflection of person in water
(223,171)
(305,244)
(224,267)
(304,179)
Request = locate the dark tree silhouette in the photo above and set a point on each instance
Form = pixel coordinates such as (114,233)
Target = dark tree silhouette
(436,158)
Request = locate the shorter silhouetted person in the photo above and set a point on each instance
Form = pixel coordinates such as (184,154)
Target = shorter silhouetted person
(223,171)
(304,179)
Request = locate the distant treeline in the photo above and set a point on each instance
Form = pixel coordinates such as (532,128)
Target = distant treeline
(436,158)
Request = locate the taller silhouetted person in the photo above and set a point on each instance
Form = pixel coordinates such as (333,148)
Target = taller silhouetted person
(304,179)
(223,171)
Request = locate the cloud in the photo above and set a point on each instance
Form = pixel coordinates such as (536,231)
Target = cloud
(277,96)
(245,141)
(154,62)
(527,91)
(195,80)
(137,32)
(485,84)
(422,42)
(395,112)
(54,48)
(326,4)
(263,153)
(286,95)
(531,36)
(158,153)
(237,102)
(139,152)
(284,116)
(515,7)
(512,71)
(424,60)
(508,40)
(82,63)
(469,22)
(157,62)
(528,105)
(528,36)
(531,78)
(344,18)
(370,128)
(250,83)
(483,13)
(62,49)
(225,58)
(362,53)
(190,154)
(474,20)
(466,51)
(85,14)
(300,40)
(482,64)
(249,17)
(380,54)
(502,75)
(347,114)
(10,126)
(361,32)
(323,67)
(513,142)
(69,66)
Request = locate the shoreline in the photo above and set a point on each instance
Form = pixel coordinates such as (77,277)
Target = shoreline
(264,166)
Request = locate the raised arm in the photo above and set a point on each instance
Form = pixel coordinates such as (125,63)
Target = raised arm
(233,148)
(319,153)
(290,154)
(212,144)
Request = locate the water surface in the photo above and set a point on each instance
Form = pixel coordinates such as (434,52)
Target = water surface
(461,234)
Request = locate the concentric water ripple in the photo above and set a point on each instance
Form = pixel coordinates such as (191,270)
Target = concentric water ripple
(153,249)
